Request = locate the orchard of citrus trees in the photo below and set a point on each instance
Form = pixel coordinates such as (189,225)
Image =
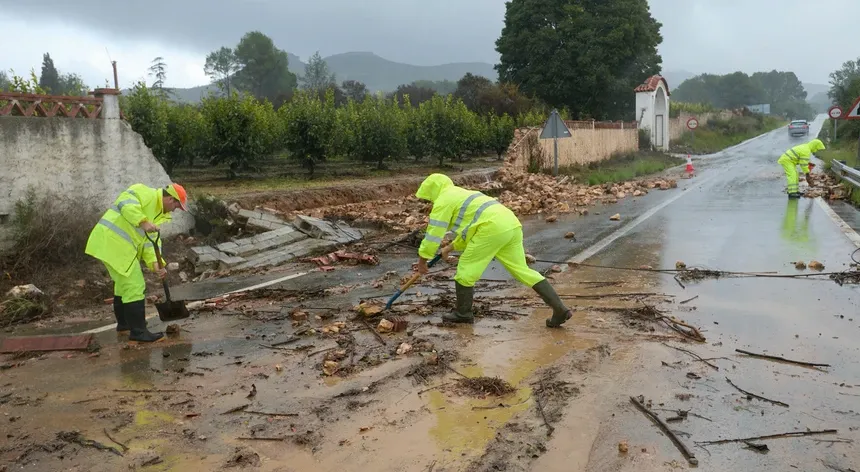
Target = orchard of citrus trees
(235,130)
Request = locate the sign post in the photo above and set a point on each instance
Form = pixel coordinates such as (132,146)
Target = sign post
(692,124)
(555,128)
(835,112)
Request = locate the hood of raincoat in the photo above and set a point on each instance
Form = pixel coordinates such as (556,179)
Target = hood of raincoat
(816,145)
(433,186)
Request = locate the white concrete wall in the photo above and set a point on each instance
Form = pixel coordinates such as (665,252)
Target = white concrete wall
(73,156)
(648,102)
(645,110)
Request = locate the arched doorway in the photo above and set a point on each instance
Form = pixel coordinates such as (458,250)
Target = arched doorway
(661,114)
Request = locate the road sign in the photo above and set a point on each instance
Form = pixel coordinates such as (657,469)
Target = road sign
(554,127)
(835,112)
(854,113)
(692,123)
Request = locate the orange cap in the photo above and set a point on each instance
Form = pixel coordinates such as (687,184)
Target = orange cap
(178,192)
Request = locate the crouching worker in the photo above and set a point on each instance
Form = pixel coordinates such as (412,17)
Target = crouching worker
(798,156)
(120,241)
(483,229)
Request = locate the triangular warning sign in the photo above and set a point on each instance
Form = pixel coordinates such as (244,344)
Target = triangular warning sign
(854,112)
(554,127)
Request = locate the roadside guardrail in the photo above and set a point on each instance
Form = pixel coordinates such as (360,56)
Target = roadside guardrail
(847,174)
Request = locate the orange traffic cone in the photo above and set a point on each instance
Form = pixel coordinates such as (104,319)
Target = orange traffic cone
(690,170)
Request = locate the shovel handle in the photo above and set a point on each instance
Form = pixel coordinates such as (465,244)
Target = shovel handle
(158,261)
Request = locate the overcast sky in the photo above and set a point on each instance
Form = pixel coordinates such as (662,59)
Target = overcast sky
(811,38)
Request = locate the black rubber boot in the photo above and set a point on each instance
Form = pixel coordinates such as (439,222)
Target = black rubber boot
(463,314)
(119,314)
(560,312)
(135,313)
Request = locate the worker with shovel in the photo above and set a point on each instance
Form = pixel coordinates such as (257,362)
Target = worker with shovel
(483,229)
(798,156)
(120,241)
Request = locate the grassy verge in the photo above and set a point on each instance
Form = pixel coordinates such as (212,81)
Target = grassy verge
(279,174)
(717,135)
(844,149)
(621,167)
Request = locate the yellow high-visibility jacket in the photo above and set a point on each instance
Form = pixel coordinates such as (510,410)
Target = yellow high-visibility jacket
(460,211)
(117,240)
(799,155)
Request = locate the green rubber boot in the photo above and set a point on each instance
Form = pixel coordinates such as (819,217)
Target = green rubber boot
(560,312)
(463,314)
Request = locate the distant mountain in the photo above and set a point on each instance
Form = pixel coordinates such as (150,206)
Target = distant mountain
(815,89)
(379,74)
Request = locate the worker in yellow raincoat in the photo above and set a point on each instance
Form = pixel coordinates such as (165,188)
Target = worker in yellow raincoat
(483,229)
(798,156)
(120,241)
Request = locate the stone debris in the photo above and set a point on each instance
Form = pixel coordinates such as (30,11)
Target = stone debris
(615,217)
(570,235)
(284,242)
(551,219)
(815,265)
(385,326)
(405,348)
(680,265)
(827,186)
(262,220)
(623,447)
(800,265)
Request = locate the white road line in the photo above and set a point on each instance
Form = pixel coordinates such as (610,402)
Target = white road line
(603,243)
(843,226)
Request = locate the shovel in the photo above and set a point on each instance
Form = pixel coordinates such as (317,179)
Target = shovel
(168,310)
(410,282)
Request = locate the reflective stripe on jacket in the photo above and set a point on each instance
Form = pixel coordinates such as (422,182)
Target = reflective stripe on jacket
(460,211)
(799,155)
(117,239)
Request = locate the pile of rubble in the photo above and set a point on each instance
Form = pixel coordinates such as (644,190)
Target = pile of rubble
(528,194)
(827,186)
(524,193)
(280,242)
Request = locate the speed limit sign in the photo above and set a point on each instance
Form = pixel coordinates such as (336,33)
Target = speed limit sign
(692,123)
(835,112)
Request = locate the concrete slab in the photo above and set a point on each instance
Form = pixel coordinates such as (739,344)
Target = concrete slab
(288,253)
(262,242)
(321,229)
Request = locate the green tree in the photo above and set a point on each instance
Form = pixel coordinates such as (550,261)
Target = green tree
(381,131)
(414,94)
(147,113)
(50,78)
(25,85)
(158,71)
(842,82)
(220,66)
(73,84)
(501,133)
(586,55)
(471,89)
(4,81)
(446,124)
(442,87)
(185,136)
(354,90)
(309,124)
(317,74)
(264,68)
(238,130)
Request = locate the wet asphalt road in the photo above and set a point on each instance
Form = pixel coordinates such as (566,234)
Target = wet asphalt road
(736,217)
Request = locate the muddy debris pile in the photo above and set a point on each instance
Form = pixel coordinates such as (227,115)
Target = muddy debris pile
(484,386)
(827,186)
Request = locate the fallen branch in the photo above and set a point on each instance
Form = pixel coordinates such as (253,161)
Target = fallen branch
(835,467)
(433,388)
(691,458)
(76,438)
(123,446)
(693,354)
(792,434)
(375,333)
(549,427)
(322,351)
(270,438)
(454,371)
(688,300)
(781,359)
(288,341)
(89,400)
(775,402)
(263,413)
(155,390)
(236,409)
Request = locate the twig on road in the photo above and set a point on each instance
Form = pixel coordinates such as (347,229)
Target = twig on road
(688,300)
(781,359)
(549,427)
(375,333)
(433,388)
(696,356)
(154,390)
(691,458)
(123,446)
(775,402)
(791,434)
(265,413)
(263,438)
(236,409)
(835,467)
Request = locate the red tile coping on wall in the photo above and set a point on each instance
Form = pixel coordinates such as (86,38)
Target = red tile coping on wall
(48,106)
(651,84)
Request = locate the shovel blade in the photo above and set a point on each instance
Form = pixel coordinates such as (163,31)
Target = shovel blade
(172,311)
